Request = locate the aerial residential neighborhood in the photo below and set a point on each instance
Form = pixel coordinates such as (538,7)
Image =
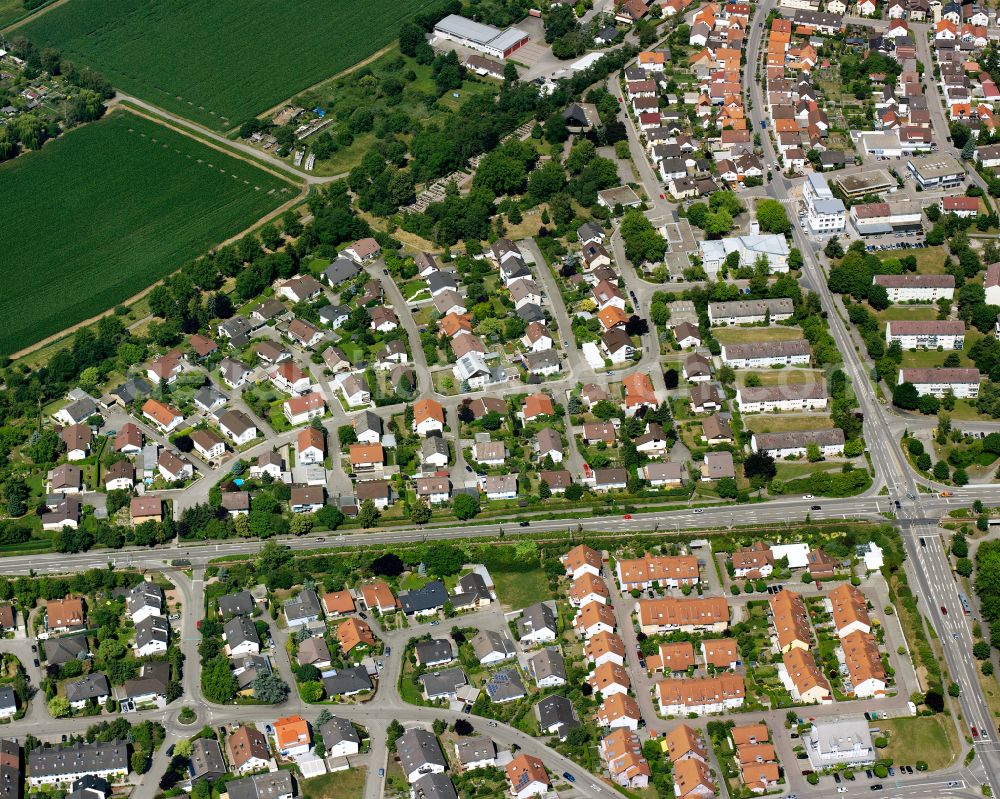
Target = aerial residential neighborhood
(455,399)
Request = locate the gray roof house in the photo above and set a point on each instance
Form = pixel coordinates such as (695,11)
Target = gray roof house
(152,636)
(8,702)
(302,608)
(144,599)
(435,652)
(492,647)
(338,730)
(548,668)
(471,591)
(476,752)
(206,760)
(270,785)
(241,636)
(150,687)
(424,600)
(555,716)
(443,684)
(433,786)
(505,686)
(62,650)
(340,270)
(537,623)
(420,753)
(89,687)
(55,765)
(239,604)
(345,682)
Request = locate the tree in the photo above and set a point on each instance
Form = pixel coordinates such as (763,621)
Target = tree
(772,217)
(393,732)
(443,560)
(954,690)
(368,514)
(760,464)
(15,494)
(463,727)
(934,700)
(58,707)
(813,453)
(183,748)
(905,396)
(420,512)
(727,488)
(217,681)
(387,565)
(878,297)
(311,691)
(981,650)
(941,471)
(465,506)
(671,379)
(269,688)
(642,242)
(329,517)
(964,567)
(833,249)
(411,36)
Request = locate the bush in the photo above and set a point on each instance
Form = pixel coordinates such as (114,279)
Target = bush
(881,742)
(813,778)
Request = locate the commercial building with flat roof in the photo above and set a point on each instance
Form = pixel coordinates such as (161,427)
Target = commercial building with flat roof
(936,171)
(484,38)
(872,219)
(875,181)
(825,213)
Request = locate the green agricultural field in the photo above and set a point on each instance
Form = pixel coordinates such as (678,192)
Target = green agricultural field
(104,211)
(219,63)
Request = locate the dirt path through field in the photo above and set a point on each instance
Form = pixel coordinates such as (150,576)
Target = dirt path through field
(34,15)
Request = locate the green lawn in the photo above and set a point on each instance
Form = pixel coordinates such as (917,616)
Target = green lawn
(520,589)
(792,470)
(220,63)
(930,260)
(747,335)
(349,784)
(930,358)
(781,377)
(923,738)
(99,214)
(785,422)
(897,313)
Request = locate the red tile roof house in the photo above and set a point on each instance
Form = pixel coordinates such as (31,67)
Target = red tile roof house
(960,206)
(299,410)
(364,250)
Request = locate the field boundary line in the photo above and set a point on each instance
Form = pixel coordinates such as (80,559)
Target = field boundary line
(33,14)
(291,203)
(202,136)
